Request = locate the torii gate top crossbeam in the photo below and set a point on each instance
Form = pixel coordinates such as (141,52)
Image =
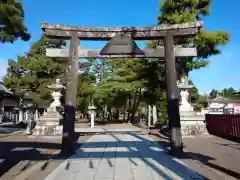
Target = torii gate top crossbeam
(107,33)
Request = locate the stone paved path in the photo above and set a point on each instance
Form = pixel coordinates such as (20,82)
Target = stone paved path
(122,156)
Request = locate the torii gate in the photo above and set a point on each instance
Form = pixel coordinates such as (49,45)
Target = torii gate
(166,32)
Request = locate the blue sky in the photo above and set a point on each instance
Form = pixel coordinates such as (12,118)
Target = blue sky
(223,72)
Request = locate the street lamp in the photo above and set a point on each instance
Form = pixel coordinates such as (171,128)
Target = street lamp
(92,112)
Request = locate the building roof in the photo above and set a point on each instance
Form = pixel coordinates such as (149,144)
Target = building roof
(220,99)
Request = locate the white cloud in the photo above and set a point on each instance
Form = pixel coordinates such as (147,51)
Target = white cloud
(3,67)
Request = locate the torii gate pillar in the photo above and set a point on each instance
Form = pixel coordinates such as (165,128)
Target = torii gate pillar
(70,97)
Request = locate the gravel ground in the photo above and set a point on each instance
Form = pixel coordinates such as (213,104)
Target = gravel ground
(213,157)
(220,155)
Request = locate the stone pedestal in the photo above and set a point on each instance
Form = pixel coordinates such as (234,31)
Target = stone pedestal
(191,123)
(20,116)
(50,123)
(36,115)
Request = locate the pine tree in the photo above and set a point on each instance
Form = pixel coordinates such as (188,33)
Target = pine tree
(183,11)
(35,71)
(206,42)
(12,22)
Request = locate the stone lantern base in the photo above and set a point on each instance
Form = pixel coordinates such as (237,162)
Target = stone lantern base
(49,125)
(191,123)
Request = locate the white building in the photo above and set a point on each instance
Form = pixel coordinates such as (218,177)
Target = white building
(222,105)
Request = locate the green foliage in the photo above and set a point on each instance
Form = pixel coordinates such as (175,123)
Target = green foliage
(163,109)
(181,11)
(12,22)
(229,93)
(121,79)
(207,43)
(85,91)
(202,101)
(35,71)
(213,94)
(194,93)
(199,101)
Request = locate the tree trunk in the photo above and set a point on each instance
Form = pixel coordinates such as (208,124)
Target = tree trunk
(105,111)
(136,102)
(117,113)
(124,112)
(129,108)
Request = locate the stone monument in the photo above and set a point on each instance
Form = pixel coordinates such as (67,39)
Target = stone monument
(50,123)
(191,123)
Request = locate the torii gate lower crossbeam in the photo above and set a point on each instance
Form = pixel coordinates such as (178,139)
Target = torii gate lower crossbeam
(149,53)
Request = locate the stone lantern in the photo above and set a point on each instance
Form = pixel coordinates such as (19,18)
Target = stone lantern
(26,104)
(191,123)
(184,89)
(31,109)
(92,112)
(50,124)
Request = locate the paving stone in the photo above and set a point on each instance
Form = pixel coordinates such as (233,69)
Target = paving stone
(123,156)
(107,164)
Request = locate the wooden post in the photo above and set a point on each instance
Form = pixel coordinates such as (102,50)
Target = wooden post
(172,97)
(149,116)
(1,109)
(154,114)
(70,99)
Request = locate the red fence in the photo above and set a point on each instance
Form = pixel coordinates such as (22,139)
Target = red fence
(227,126)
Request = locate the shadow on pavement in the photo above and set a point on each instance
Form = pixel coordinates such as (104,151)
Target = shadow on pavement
(150,152)
(11,125)
(202,158)
(14,152)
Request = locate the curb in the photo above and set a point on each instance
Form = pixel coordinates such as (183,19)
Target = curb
(12,134)
(44,137)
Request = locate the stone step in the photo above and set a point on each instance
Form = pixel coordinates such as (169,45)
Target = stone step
(51,114)
(192,118)
(187,113)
